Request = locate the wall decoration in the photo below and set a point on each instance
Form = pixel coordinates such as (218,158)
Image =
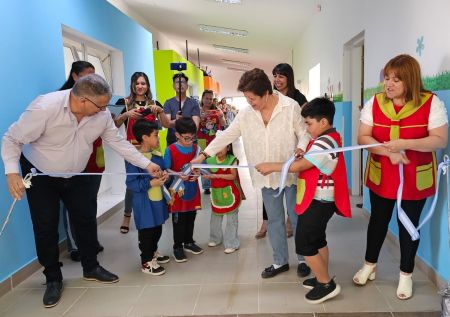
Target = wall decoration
(420,46)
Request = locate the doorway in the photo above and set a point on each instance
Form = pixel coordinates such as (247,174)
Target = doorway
(353,80)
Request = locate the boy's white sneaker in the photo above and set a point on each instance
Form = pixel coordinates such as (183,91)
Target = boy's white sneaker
(153,268)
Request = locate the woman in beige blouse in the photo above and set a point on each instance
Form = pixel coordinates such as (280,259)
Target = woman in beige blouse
(271,128)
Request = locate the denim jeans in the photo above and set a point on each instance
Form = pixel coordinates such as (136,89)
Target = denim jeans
(206,183)
(276,227)
(230,238)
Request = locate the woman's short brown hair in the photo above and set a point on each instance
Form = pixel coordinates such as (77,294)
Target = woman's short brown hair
(407,69)
(255,81)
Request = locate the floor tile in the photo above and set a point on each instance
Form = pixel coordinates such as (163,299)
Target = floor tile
(284,298)
(425,296)
(168,300)
(227,299)
(105,301)
(29,303)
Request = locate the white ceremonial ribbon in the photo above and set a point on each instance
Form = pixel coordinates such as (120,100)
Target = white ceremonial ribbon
(27,183)
(443,168)
(201,166)
(401,214)
(288,163)
(447,171)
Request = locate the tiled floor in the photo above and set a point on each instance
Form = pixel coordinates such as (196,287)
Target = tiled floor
(218,284)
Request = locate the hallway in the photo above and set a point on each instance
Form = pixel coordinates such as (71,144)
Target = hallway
(215,283)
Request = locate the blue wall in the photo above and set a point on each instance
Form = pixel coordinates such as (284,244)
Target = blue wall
(434,247)
(343,124)
(33,63)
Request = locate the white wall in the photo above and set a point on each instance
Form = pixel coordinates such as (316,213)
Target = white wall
(391,28)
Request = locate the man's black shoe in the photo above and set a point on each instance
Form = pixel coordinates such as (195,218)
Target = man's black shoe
(52,294)
(271,271)
(75,255)
(101,275)
(303,270)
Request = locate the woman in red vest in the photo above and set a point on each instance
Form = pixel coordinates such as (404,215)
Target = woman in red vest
(413,122)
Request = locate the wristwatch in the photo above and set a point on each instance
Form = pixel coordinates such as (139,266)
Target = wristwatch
(204,154)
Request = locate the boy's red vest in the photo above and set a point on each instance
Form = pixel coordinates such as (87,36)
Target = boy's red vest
(307,183)
(381,176)
(190,200)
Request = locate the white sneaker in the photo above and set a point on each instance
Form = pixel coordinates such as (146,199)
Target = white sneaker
(230,250)
(153,268)
(213,244)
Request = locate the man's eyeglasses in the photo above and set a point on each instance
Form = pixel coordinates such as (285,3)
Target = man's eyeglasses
(102,108)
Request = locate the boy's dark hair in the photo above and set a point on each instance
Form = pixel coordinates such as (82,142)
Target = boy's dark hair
(185,125)
(256,82)
(180,75)
(142,127)
(318,109)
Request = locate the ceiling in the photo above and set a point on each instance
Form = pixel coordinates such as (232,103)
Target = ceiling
(273,29)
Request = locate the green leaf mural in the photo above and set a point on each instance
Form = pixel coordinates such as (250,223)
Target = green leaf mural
(434,83)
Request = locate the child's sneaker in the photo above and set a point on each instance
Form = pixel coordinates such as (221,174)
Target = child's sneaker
(193,248)
(309,283)
(179,255)
(230,250)
(322,292)
(153,268)
(161,259)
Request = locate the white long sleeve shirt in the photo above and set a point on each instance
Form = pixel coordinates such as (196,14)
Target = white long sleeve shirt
(275,142)
(50,137)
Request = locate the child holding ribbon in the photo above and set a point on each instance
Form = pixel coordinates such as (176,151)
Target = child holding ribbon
(226,197)
(149,203)
(184,189)
(322,190)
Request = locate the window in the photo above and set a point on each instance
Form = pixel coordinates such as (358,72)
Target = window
(314,82)
(107,61)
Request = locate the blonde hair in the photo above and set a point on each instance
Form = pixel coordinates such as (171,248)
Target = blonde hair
(407,69)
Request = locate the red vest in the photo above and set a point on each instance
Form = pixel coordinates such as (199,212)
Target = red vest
(307,183)
(381,176)
(190,200)
(96,163)
(149,117)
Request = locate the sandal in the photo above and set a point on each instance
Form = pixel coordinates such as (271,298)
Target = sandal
(405,285)
(367,272)
(125,229)
(260,234)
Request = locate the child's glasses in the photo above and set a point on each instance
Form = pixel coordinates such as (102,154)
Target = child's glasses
(188,138)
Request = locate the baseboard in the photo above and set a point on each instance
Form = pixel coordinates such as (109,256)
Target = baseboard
(394,248)
(11,282)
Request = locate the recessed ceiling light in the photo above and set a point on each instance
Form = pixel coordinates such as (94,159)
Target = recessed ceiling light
(230,49)
(237,69)
(222,30)
(230,1)
(238,63)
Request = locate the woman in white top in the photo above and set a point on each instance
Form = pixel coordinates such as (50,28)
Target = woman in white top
(271,129)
